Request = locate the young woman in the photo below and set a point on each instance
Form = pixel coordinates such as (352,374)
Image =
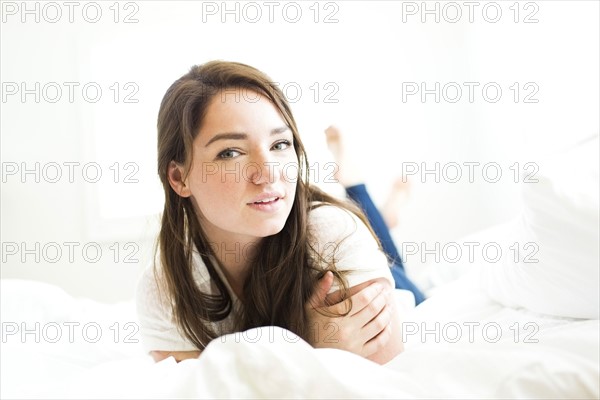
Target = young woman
(245,241)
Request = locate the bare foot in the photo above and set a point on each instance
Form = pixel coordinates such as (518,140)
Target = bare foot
(348,170)
(391,207)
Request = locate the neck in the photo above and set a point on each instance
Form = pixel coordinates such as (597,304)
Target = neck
(235,256)
(234,253)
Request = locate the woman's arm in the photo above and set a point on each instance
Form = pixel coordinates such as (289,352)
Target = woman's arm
(371,327)
(393,345)
(157,327)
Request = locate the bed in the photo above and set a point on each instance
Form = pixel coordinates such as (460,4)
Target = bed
(506,329)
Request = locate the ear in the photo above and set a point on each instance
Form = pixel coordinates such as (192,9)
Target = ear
(175,174)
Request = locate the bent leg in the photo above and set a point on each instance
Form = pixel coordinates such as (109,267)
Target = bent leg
(358,193)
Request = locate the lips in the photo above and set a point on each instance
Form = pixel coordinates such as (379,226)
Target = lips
(267,202)
(266,198)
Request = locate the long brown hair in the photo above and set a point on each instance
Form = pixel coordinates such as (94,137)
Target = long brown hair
(286,268)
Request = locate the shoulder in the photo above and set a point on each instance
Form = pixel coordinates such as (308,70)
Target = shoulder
(331,221)
(320,211)
(152,292)
(342,237)
(332,224)
(154,306)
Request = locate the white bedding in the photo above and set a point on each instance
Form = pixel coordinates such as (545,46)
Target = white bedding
(500,330)
(273,363)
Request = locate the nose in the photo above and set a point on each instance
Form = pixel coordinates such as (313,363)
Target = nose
(263,169)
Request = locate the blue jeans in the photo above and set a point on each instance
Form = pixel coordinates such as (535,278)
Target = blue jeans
(361,197)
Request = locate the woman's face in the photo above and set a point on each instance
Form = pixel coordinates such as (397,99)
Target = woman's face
(244,168)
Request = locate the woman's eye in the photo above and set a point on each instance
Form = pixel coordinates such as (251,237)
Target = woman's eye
(284,144)
(229,153)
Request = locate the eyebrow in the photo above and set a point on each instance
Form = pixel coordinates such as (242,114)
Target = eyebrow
(241,135)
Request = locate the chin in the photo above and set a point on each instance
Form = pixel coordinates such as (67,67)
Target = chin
(270,228)
(273,231)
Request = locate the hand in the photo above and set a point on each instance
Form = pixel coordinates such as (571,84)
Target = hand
(365,328)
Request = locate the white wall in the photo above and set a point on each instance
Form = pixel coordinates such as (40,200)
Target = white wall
(372,52)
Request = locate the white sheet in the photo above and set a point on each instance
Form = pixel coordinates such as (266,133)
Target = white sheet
(563,364)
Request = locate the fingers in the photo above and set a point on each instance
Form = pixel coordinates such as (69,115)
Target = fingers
(378,342)
(373,309)
(378,330)
(334,298)
(357,302)
(323,286)
(363,299)
(376,325)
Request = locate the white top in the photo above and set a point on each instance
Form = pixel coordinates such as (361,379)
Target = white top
(337,231)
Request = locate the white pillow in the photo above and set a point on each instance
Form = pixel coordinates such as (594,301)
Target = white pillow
(560,218)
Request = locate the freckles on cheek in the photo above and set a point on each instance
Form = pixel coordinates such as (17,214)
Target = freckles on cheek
(221,189)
